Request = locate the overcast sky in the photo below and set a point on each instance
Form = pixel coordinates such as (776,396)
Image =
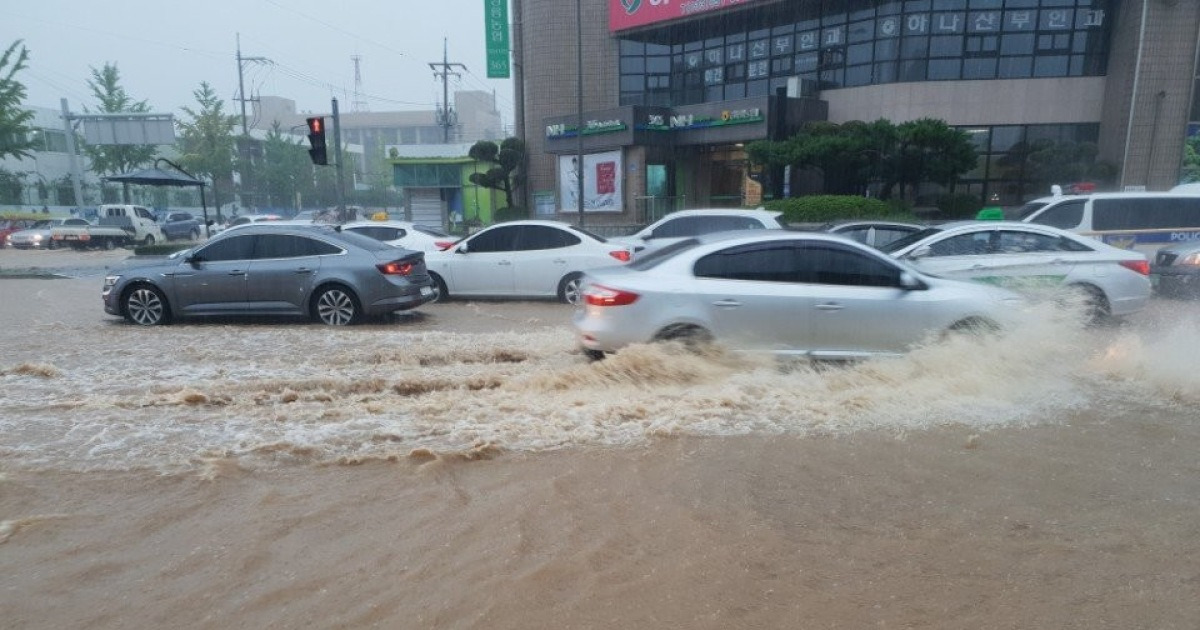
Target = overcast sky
(165,48)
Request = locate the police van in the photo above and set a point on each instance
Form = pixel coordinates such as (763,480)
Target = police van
(1144,221)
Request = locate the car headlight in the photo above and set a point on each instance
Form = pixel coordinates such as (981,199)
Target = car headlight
(110,282)
(37,237)
(1190,259)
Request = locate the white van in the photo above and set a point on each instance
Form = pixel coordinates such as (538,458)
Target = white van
(1144,221)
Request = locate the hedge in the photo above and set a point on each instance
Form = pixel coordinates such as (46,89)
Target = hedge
(828,208)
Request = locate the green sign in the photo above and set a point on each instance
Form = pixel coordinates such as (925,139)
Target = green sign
(495,19)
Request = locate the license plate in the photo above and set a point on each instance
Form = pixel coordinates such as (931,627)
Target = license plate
(427,291)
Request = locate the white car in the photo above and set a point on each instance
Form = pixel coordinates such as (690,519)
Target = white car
(530,259)
(38,235)
(404,234)
(685,223)
(790,293)
(1114,281)
(250,219)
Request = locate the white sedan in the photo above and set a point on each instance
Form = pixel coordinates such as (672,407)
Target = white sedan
(790,293)
(529,259)
(1113,281)
(403,234)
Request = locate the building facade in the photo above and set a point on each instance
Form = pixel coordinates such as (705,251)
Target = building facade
(673,89)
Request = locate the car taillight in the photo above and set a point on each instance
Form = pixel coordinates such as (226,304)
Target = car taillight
(395,268)
(620,254)
(1139,266)
(597,295)
(443,244)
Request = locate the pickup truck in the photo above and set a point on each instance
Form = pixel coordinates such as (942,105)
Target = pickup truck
(118,225)
(180,225)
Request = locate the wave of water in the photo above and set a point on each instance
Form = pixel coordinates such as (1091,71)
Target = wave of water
(182,398)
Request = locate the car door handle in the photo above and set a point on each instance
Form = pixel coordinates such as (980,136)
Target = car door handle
(559,261)
(727,303)
(829,306)
(977,267)
(304,270)
(237,272)
(504,263)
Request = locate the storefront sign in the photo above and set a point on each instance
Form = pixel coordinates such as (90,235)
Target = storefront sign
(624,14)
(590,128)
(683,122)
(602,182)
(495,19)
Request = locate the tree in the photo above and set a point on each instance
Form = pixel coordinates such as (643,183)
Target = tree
(929,150)
(116,159)
(206,141)
(1191,161)
(285,171)
(15,140)
(508,159)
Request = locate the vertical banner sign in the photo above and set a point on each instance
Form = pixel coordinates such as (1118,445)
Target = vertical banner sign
(495,21)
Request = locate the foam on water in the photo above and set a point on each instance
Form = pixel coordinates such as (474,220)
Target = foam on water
(260,395)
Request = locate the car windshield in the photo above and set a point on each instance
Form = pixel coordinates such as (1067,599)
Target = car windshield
(901,243)
(1029,208)
(41,225)
(656,257)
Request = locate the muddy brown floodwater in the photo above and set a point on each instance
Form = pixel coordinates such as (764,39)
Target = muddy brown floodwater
(464,467)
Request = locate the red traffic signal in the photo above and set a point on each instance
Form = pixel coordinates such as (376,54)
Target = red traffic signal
(316,138)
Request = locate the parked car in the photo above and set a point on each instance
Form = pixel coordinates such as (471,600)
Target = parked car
(404,234)
(679,225)
(1177,268)
(873,233)
(8,226)
(334,277)
(180,225)
(530,259)
(37,236)
(1113,281)
(249,219)
(791,293)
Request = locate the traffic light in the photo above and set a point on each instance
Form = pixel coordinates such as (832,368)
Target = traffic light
(316,137)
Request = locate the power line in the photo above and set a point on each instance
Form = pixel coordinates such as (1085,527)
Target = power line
(336,28)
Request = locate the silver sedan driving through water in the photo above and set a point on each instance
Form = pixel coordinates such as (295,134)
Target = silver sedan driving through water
(807,294)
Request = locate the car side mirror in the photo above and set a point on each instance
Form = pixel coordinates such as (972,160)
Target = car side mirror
(909,282)
(193,260)
(920,252)
(462,249)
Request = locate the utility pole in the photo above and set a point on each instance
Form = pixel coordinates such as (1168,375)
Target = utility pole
(341,155)
(73,159)
(244,145)
(446,117)
(579,106)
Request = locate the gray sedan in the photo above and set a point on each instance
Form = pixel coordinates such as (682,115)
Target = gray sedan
(318,271)
(807,294)
(1178,269)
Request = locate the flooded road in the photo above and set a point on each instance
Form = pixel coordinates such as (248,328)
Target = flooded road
(465,467)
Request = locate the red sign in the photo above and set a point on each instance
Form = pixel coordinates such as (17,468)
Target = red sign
(606,178)
(624,14)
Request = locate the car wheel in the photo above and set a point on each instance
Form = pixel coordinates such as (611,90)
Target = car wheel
(51,244)
(440,294)
(335,306)
(145,305)
(593,355)
(110,244)
(692,337)
(195,235)
(149,240)
(1091,301)
(569,289)
(971,327)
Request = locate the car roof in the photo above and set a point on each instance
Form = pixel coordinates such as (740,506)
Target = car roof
(772,235)
(757,213)
(838,224)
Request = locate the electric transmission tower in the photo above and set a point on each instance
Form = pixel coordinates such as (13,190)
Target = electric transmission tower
(358,104)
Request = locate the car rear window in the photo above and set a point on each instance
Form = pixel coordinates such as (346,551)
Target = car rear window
(901,243)
(363,241)
(654,258)
(587,233)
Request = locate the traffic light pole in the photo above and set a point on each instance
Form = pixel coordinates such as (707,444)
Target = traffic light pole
(337,143)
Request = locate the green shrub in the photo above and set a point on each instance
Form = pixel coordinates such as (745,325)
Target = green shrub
(959,206)
(511,214)
(162,249)
(828,208)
